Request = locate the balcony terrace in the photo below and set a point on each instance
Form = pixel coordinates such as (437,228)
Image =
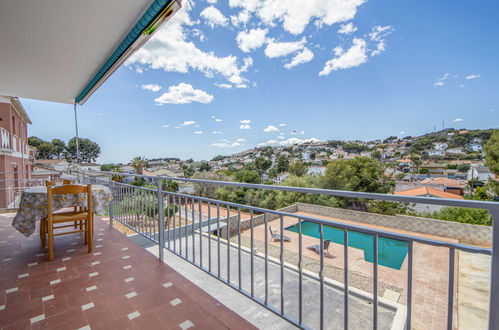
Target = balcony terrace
(226,270)
(119,285)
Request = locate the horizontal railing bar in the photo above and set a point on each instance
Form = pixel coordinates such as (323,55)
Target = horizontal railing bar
(333,223)
(339,193)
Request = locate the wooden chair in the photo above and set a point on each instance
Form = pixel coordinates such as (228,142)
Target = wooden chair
(53,219)
(66,181)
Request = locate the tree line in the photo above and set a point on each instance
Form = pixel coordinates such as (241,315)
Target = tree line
(58,149)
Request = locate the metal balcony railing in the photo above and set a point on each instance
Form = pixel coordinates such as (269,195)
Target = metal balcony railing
(4,139)
(13,184)
(208,234)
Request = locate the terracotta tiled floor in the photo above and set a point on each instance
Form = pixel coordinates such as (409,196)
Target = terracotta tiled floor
(118,286)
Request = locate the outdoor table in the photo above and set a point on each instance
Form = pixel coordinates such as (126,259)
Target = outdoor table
(33,205)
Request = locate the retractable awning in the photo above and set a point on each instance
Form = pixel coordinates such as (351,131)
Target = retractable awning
(62,50)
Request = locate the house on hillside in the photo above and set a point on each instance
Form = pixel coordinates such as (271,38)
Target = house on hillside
(455,151)
(480,173)
(440,146)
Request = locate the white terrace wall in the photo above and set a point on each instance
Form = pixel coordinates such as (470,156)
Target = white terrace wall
(257,220)
(460,231)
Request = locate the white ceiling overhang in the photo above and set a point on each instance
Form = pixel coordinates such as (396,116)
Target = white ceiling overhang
(62,50)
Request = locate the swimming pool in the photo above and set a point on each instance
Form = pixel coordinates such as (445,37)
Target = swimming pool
(391,252)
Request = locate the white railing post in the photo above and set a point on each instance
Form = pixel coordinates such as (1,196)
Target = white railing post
(494,273)
(111,202)
(161,220)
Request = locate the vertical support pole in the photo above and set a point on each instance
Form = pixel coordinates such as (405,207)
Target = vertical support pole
(111,206)
(161,219)
(494,274)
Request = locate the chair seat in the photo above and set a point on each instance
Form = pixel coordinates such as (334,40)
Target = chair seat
(69,216)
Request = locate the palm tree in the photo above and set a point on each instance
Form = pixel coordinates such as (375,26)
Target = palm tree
(138,163)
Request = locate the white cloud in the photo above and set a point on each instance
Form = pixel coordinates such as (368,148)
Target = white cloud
(170,50)
(217,132)
(288,142)
(402,132)
(224,86)
(281,137)
(461,85)
(303,56)
(99,113)
(271,128)
(472,76)
(216,119)
(378,35)
(241,18)
(245,126)
(212,1)
(151,87)
(186,123)
(226,144)
(213,16)
(184,93)
(353,57)
(166,126)
(282,125)
(440,81)
(295,15)
(457,120)
(278,49)
(198,132)
(347,28)
(240,140)
(444,77)
(252,39)
(245,121)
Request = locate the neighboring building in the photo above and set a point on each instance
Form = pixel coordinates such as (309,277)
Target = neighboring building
(440,146)
(435,152)
(427,192)
(480,173)
(455,151)
(90,166)
(451,186)
(15,161)
(475,147)
(54,164)
(316,170)
(435,168)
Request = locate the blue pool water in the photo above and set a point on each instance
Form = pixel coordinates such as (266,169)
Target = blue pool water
(391,252)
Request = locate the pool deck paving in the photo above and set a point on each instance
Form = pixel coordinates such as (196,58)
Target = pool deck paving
(430,269)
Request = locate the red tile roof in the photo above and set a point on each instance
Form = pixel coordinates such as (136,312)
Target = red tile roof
(421,191)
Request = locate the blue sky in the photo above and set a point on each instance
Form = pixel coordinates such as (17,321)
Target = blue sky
(225,76)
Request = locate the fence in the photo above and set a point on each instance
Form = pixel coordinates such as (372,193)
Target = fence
(208,234)
(12,185)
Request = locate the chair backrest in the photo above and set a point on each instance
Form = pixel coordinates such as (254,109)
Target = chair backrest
(49,183)
(66,181)
(68,190)
(326,244)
